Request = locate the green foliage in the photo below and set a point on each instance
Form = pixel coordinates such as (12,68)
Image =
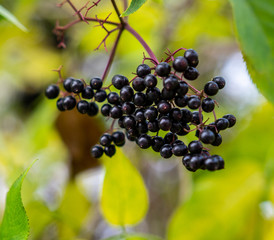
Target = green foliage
(133,7)
(254,23)
(15,223)
(10,17)
(124,199)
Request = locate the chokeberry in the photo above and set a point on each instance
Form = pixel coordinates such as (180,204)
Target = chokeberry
(231,119)
(96,83)
(208,105)
(180,64)
(119,81)
(163,69)
(77,86)
(52,91)
(195,147)
(192,57)
(166,151)
(143,70)
(82,106)
(100,95)
(211,88)
(97,151)
(220,81)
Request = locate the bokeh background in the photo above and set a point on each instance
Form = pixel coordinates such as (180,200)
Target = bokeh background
(62,191)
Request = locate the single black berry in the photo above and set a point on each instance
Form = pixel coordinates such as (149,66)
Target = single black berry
(170,138)
(150,80)
(207,136)
(118,138)
(143,70)
(97,151)
(176,114)
(139,99)
(222,124)
(153,126)
(157,143)
(106,139)
(182,89)
(163,69)
(196,161)
(139,115)
(211,163)
(69,103)
(231,119)
(151,113)
(186,115)
(119,81)
(82,106)
(191,73)
(208,105)
(218,140)
(171,83)
(144,141)
(184,130)
(100,95)
(153,94)
(196,119)
(110,150)
(59,104)
(129,122)
(138,84)
(179,150)
(128,108)
(211,88)
(194,102)
(77,86)
(192,57)
(105,109)
(113,98)
(142,127)
(165,123)
(195,147)
(181,101)
(220,81)
(164,107)
(87,93)
(96,83)
(116,112)
(126,93)
(180,64)
(52,91)
(93,109)
(67,83)
(166,151)
(167,94)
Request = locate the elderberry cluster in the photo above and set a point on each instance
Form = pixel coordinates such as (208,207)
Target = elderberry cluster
(154,109)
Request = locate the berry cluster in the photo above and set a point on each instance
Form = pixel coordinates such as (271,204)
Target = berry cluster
(154,109)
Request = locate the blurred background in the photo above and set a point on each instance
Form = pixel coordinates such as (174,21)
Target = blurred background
(62,191)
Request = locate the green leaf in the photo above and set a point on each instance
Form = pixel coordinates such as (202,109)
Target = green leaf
(10,17)
(134,236)
(255,30)
(15,224)
(133,7)
(124,199)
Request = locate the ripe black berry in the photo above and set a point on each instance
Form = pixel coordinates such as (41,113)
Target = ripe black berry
(150,81)
(105,139)
(69,103)
(113,98)
(166,151)
(171,83)
(128,108)
(105,109)
(196,118)
(196,161)
(138,84)
(120,122)
(207,136)
(184,130)
(167,94)
(142,127)
(170,138)
(220,81)
(211,88)
(191,73)
(77,86)
(176,127)
(118,138)
(164,107)
(211,163)
(208,105)
(52,91)
(139,99)
(218,140)
(110,150)
(119,81)
(143,70)
(176,114)
(96,83)
(97,151)
(195,147)
(192,57)
(180,64)
(153,126)
(144,141)
(179,150)
(93,109)
(163,69)
(231,119)
(82,106)
(126,93)
(157,143)
(59,104)
(194,102)
(139,115)
(222,124)
(165,123)
(116,112)
(182,89)
(129,122)
(153,94)
(186,115)
(100,95)
(151,113)
(87,93)
(181,101)
(67,82)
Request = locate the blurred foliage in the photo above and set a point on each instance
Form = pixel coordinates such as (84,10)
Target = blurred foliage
(62,192)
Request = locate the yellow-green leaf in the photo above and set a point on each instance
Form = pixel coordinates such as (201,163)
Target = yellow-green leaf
(124,199)
(133,7)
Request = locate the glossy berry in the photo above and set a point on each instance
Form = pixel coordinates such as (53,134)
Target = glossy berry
(97,151)
(211,88)
(116,112)
(142,127)
(196,161)
(138,84)
(176,127)
(139,99)
(186,159)
(153,126)
(180,64)
(96,83)
(69,103)
(195,147)
(105,139)
(129,122)
(191,73)
(192,57)
(67,84)
(218,140)
(207,136)
(100,95)
(179,150)
(153,94)
(113,98)
(126,93)
(139,115)
(151,113)
(144,141)
(118,138)
(150,81)
(194,102)
(231,119)
(166,151)
(93,109)
(196,118)
(171,83)
(59,104)
(105,109)
(87,93)
(128,108)
(208,105)
(211,163)
(186,115)
(164,107)
(220,81)
(77,86)
(222,124)
(182,89)
(120,122)
(82,106)
(119,81)
(176,114)
(163,69)
(184,130)
(167,94)
(157,143)
(52,91)
(110,150)
(170,138)
(165,123)
(143,70)
(181,101)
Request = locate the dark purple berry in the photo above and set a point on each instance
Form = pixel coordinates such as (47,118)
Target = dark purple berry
(179,150)
(165,123)
(67,83)
(100,95)
(186,115)
(87,93)
(220,81)
(164,107)
(150,81)
(181,101)
(143,70)
(110,150)
(170,138)
(182,89)
(129,122)
(151,113)
(196,118)
(153,94)
(191,73)
(52,91)
(171,83)
(106,139)
(69,103)
(96,83)
(231,119)
(118,138)
(139,99)
(157,143)
(142,127)
(116,112)
(105,109)
(139,115)
(93,109)
(144,141)
(222,124)
(167,94)
(97,151)
(176,114)
(166,151)
(211,88)
(153,126)
(59,105)
(180,64)
(194,102)
(77,86)
(128,108)
(119,81)
(120,122)
(218,140)
(207,136)
(208,105)
(138,84)
(126,93)
(211,163)
(196,161)
(184,130)
(195,147)
(82,106)
(163,69)
(113,98)
(192,57)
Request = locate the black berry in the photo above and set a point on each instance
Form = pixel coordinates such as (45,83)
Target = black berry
(52,91)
